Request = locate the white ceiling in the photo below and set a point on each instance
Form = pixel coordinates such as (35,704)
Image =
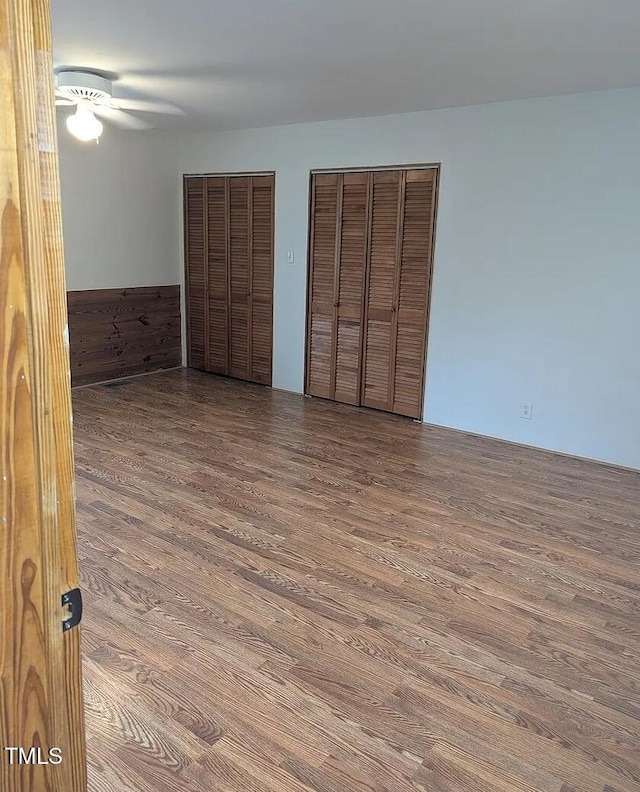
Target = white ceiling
(244,63)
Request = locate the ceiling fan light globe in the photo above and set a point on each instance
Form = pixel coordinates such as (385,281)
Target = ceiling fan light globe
(84,126)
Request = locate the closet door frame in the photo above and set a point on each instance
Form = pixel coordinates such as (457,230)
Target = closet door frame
(187,302)
(434,166)
(311,204)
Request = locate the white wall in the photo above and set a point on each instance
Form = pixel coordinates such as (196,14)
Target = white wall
(537,263)
(118,209)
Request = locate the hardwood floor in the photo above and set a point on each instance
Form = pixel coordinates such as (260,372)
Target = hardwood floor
(286,594)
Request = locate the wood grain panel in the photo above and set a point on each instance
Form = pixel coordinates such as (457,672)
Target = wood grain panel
(289,594)
(70,715)
(40,682)
(117,333)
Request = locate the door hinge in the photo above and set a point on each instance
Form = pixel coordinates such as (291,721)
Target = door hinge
(73,600)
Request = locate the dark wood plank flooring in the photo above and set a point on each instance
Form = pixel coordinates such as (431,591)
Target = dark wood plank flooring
(285,594)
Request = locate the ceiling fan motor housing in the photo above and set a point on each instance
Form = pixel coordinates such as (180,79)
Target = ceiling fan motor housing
(75,85)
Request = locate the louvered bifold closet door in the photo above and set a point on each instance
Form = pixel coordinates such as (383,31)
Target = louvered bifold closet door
(322,308)
(218,315)
(196,275)
(369,284)
(261,277)
(385,233)
(413,292)
(349,286)
(239,269)
(399,281)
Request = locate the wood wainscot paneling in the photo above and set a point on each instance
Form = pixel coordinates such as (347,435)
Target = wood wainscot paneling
(118,333)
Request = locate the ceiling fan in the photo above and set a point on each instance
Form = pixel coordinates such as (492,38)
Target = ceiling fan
(92,95)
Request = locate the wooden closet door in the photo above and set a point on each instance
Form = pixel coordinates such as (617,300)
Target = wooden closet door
(229,274)
(399,282)
(369,284)
(413,289)
(217,303)
(381,298)
(322,308)
(196,275)
(239,254)
(349,286)
(338,265)
(261,277)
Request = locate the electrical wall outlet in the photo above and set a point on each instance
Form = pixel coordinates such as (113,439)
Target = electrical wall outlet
(526,410)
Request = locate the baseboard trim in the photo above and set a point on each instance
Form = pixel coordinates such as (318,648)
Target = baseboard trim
(121,379)
(530,447)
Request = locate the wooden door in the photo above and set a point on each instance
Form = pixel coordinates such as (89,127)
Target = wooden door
(195,225)
(41,706)
(229,274)
(261,190)
(338,265)
(349,287)
(381,298)
(369,283)
(321,306)
(413,287)
(398,290)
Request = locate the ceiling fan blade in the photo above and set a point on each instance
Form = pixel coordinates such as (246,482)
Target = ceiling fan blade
(145,106)
(64,103)
(120,118)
